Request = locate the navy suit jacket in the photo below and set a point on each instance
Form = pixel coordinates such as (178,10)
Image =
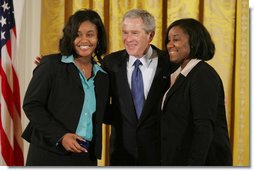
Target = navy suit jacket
(53,104)
(133,141)
(193,124)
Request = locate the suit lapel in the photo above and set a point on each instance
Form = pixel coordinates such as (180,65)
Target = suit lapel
(74,75)
(160,82)
(180,80)
(124,90)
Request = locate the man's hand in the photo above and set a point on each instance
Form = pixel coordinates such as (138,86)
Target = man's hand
(37,60)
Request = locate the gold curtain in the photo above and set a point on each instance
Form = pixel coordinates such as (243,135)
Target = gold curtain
(226,20)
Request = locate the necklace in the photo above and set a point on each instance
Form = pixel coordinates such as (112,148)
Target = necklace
(83,65)
(86,69)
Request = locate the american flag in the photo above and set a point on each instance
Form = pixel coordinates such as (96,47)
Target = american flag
(11,144)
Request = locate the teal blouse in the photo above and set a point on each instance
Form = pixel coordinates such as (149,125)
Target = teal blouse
(85,125)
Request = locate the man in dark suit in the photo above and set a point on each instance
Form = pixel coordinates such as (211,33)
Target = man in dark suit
(135,135)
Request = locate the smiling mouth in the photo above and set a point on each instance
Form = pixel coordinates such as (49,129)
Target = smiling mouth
(131,44)
(171,52)
(84,47)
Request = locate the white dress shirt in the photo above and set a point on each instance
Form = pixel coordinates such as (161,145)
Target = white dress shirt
(148,68)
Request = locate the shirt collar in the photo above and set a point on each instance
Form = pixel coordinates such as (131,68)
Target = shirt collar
(97,68)
(70,59)
(146,59)
(185,71)
(67,59)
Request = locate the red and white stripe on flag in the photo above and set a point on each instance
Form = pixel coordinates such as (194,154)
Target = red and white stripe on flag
(11,143)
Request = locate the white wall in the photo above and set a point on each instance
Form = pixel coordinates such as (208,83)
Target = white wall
(27,17)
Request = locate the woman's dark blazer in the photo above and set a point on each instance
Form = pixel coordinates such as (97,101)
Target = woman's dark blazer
(193,124)
(53,104)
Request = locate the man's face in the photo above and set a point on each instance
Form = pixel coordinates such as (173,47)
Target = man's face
(136,40)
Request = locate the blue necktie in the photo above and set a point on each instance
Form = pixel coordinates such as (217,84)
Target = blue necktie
(137,88)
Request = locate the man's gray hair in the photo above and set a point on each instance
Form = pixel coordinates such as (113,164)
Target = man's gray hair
(147,18)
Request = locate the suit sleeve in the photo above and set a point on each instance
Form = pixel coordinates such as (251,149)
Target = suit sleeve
(107,119)
(204,93)
(35,103)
